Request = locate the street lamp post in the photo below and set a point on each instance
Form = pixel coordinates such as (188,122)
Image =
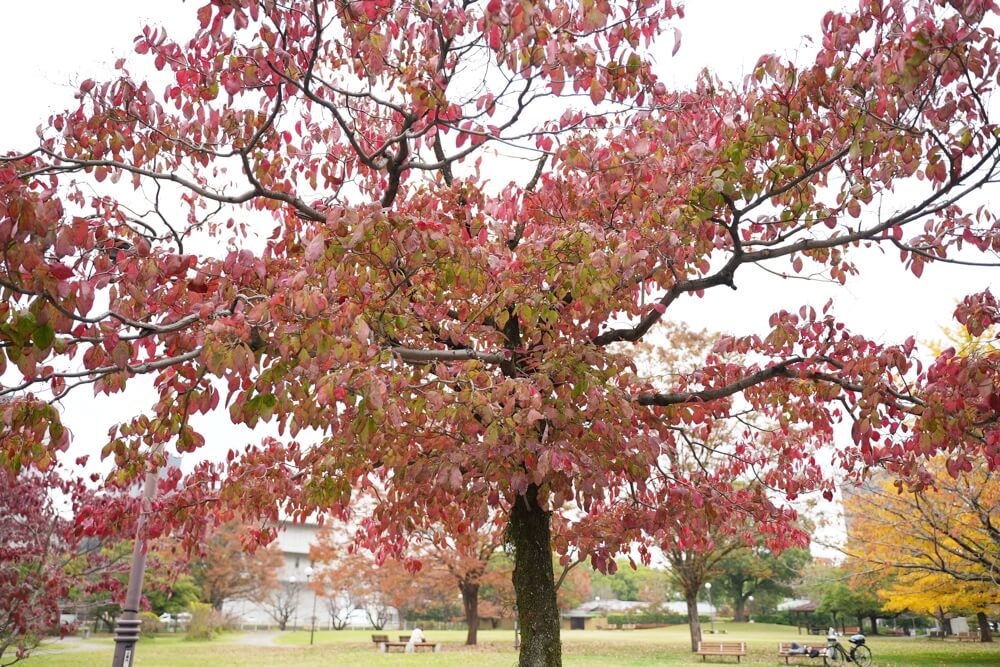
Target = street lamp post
(312,629)
(295,611)
(127,627)
(711,617)
(749,607)
(517,629)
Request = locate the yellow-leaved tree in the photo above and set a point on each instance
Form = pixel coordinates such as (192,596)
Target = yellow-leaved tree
(940,545)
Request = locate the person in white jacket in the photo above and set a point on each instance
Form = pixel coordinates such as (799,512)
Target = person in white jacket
(416,637)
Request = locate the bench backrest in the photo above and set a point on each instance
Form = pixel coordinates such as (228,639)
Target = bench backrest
(380,638)
(723,647)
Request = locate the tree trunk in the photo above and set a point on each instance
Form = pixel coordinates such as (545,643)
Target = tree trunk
(694,623)
(984,627)
(534,582)
(470,602)
(874,620)
(945,625)
(739,609)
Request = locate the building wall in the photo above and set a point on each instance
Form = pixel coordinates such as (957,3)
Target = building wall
(294,541)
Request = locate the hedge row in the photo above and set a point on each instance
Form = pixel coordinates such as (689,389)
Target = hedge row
(646,617)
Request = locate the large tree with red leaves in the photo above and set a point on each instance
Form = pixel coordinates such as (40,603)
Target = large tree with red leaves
(464,345)
(44,557)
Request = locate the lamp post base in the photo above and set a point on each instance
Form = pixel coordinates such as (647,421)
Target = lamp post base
(126,636)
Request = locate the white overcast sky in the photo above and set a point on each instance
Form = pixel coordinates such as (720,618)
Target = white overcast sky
(47,45)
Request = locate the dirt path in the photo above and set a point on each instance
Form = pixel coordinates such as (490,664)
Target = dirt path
(262,638)
(71,644)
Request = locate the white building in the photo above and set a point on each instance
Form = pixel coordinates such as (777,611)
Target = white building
(294,540)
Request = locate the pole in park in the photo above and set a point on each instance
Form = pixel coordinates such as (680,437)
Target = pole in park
(127,627)
(312,628)
(711,617)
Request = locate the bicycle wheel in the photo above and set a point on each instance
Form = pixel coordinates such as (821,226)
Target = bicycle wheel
(834,655)
(862,655)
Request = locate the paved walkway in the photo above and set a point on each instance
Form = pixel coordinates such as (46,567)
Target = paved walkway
(257,638)
(71,644)
(68,644)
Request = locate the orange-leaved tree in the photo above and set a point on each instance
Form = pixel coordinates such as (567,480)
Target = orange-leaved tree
(230,566)
(350,578)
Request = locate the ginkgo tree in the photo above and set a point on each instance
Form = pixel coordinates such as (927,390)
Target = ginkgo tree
(940,543)
(456,344)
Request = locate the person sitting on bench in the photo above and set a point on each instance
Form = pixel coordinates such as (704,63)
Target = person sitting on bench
(416,637)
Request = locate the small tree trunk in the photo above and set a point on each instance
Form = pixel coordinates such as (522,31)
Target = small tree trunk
(874,620)
(470,602)
(694,623)
(739,610)
(984,627)
(861,623)
(534,582)
(945,625)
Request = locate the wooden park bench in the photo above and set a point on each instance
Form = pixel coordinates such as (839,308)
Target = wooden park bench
(967,636)
(380,639)
(786,651)
(722,649)
(386,647)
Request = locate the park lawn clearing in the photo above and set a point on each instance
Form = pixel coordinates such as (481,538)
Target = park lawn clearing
(598,648)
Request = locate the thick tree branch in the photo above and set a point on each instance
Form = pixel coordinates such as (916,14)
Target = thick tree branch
(412,356)
(704,395)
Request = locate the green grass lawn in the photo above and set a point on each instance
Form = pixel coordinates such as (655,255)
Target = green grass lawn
(608,648)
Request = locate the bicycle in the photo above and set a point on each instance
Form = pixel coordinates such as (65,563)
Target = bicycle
(836,654)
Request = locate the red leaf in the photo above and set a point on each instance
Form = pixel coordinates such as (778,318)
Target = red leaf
(60,271)
(493,38)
